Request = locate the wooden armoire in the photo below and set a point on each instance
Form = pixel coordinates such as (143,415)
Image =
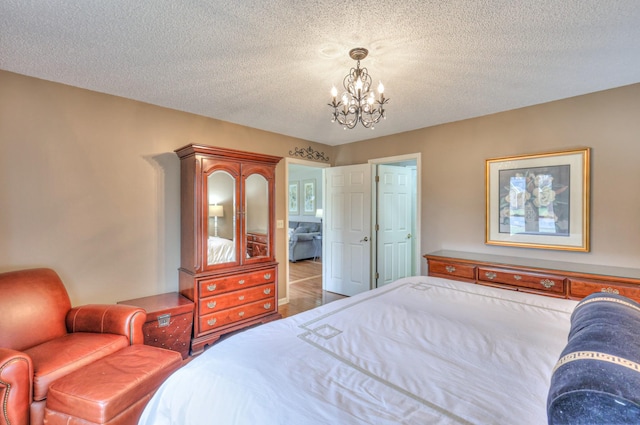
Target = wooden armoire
(227,261)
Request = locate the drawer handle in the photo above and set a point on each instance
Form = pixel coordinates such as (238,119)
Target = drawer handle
(450,269)
(241,282)
(241,314)
(212,304)
(267,276)
(267,291)
(517,277)
(610,290)
(490,275)
(212,287)
(212,322)
(241,297)
(547,283)
(267,306)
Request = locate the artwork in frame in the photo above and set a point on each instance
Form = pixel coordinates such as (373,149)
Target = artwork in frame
(294,205)
(308,197)
(539,200)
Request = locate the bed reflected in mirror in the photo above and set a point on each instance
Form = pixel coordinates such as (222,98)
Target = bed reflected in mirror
(221,218)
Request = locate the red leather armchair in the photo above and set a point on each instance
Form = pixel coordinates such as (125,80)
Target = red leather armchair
(42,339)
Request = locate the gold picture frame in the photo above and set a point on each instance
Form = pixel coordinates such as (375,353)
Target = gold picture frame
(539,200)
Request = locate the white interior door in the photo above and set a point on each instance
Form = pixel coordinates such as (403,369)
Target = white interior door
(394,214)
(347,229)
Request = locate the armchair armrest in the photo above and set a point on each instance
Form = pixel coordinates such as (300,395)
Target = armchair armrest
(116,319)
(306,236)
(16,375)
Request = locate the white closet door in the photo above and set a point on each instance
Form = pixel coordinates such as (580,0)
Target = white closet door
(394,193)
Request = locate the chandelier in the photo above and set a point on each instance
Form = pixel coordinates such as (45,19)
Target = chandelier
(358,102)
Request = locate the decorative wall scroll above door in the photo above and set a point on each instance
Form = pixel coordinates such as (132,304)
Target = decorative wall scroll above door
(309,153)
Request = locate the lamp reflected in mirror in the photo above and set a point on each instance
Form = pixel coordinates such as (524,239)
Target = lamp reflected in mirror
(215,211)
(319,214)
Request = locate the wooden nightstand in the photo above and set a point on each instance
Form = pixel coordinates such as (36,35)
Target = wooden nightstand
(169,321)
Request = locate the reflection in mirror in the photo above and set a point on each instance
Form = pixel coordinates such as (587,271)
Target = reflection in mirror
(221,244)
(257,216)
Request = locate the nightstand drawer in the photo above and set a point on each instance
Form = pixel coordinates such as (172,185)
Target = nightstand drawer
(579,288)
(452,270)
(537,281)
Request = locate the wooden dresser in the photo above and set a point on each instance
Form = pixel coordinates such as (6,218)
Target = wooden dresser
(256,244)
(226,269)
(551,278)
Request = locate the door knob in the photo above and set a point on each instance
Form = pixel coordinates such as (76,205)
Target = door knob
(366,239)
(409,236)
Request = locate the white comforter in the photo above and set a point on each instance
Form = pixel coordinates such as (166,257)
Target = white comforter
(220,250)
(422,350)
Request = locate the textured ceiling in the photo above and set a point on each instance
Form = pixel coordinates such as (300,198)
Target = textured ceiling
(271,64)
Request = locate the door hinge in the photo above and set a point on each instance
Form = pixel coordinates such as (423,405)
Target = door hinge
(377,227)
(377,275)
(377,179)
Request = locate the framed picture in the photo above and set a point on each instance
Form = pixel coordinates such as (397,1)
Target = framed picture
(294,206)
(539,201)
(309,197)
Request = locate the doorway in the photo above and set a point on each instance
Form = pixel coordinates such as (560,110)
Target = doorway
(304,222)
(396,215)
(383,251)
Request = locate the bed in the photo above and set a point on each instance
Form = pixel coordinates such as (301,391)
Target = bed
(220,250)
(420,350)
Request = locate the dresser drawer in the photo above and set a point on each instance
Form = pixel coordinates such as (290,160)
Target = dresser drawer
(538,281)
(452,270)
(235,314)
(236,298)
(579,288)
(257,237)
(220,285)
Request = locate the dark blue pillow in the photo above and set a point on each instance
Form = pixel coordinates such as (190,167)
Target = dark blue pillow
(597,379)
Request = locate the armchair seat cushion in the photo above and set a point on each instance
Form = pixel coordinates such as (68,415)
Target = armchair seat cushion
(60,356)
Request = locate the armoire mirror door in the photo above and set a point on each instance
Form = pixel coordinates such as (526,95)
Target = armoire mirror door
(256,216)
(220,216)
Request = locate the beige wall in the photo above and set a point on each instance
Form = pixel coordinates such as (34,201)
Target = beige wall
(453,187)
(90,183)
(90,186)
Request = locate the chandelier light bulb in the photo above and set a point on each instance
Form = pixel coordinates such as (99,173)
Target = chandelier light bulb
(358,101)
